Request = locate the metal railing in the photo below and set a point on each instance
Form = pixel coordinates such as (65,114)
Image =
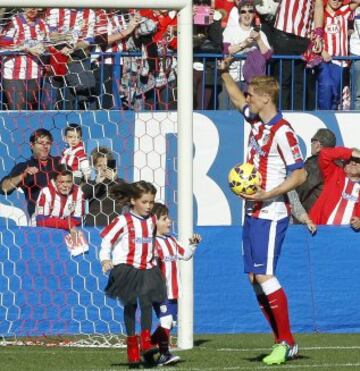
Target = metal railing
(300,88)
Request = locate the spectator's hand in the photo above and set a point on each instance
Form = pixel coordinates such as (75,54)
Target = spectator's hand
(36,50)
(317,45)
(66,50)
(195,239)
(254,35)
(223,66)
(74,234)
(355,222)
(311,226)
(31,170)
(106,265)
(134,22)
(59,37)
(326,56)
(110,174)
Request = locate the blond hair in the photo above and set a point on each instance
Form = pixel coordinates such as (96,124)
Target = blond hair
(266,85)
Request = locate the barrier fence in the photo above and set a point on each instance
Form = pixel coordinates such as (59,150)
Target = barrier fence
(159,92)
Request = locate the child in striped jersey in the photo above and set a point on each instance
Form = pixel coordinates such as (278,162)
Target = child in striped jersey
(127,251)
(74,156)
(169,252)
(60,204)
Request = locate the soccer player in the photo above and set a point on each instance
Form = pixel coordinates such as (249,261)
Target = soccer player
(274,150)
(74,156)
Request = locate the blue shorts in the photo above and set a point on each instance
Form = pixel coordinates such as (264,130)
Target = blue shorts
(166,308)
(262,241)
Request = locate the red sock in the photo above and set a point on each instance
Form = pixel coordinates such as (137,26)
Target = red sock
(266,310)
(279,309)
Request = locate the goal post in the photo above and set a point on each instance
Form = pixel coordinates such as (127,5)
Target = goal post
(184,131)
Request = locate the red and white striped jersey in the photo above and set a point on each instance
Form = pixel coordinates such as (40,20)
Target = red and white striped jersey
(80,23)
(110,23)
(336,32)
(75,159)
(169,252)
(129,239)
(51,203)
(345,206)
(20,32)
(274,150)
(295,17)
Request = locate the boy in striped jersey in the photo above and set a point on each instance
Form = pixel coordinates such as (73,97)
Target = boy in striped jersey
(74,156)
(60,204)
(169,252)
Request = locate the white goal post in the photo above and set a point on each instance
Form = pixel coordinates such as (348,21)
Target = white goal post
(185,131)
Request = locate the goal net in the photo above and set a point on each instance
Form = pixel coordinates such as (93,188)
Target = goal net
(113,72)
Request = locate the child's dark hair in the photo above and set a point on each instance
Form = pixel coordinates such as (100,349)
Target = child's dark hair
(159,210)
(122,193)
(73,127)
(62,170)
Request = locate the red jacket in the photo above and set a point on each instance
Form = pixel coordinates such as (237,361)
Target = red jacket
(334,180)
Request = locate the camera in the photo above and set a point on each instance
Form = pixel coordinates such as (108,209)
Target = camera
(203,15)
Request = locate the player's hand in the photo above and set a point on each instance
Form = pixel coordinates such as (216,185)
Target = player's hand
(355,222)
(259,195)
(106,265)
(223,66)
(195,239)
(31,170)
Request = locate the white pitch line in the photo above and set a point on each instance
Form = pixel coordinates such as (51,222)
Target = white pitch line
(288,366)
(301,348)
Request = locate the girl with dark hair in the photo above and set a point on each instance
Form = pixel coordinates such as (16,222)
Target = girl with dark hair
(127,251)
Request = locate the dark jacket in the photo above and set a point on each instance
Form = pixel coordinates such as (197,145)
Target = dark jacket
(102,208)
(32,184)
(310,190)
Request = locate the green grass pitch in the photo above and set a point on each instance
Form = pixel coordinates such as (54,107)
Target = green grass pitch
(333,352)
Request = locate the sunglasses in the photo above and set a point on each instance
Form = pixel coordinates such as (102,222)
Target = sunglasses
(250,11)
(355,159)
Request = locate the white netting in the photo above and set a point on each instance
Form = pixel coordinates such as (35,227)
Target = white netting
(47,296)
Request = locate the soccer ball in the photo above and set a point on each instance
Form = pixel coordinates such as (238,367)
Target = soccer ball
(244,178)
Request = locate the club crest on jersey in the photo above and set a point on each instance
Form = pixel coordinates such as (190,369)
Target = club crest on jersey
(71,206)
(255,145)
(349,197)
(142,240)
(265,138)
(296,152)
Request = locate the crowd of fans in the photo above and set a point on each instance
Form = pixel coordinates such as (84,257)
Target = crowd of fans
(74,189)
(74,58)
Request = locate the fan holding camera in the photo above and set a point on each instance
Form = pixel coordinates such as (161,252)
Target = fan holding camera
(207,39)
(246,39)
(102,208)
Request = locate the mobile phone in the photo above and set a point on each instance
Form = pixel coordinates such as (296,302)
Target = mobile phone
(111,164)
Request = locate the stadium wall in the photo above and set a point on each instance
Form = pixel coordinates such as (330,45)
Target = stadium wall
(44,291)
(128,134)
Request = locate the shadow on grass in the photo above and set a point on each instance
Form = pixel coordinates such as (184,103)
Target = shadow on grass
(199,342)
(260,357)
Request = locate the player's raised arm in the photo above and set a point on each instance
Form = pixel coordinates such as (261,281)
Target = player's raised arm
(236,95)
